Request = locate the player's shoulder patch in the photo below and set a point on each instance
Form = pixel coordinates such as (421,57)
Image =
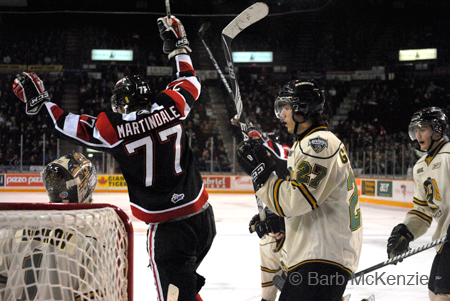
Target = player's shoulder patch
(318,144)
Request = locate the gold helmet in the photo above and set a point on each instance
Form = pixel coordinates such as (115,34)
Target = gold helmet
(70,179)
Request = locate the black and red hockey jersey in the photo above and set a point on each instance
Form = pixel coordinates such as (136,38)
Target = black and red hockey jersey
(150,147)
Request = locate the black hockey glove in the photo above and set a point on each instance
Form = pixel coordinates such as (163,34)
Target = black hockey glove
(272,224)
(254,159)
(398,242)
(30,89)
(174,36)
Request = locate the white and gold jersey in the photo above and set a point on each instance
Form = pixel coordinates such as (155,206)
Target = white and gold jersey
(271,258)
(319,202)
(431,193)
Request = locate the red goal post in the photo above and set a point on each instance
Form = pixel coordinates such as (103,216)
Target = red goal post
(110,223)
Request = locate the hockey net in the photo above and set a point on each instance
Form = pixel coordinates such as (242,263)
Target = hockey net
(65,252)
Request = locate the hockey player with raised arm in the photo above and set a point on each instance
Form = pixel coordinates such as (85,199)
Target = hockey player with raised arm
(319,200)
(43,264)
(146,136)
(431,175)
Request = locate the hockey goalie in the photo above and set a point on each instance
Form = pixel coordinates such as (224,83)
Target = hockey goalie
(60,262)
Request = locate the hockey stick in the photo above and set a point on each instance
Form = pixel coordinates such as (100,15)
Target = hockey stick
(201,32)
(401,257)
(249,16)
(278,281)
(246,18)
(169,15)
(172,293)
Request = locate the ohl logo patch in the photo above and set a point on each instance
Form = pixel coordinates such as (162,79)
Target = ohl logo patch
(318,144)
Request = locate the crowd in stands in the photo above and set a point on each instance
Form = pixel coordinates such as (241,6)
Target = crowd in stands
(21,135)
(374,131)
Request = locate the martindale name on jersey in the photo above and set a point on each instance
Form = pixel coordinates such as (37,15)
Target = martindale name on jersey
(148,123)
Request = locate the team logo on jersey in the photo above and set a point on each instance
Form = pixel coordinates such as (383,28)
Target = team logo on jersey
(177,197)
(432,194)
(63,194)
(318,144)
(437,165)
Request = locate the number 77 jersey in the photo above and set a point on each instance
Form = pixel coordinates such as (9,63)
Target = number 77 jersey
(149,145)
(319,201)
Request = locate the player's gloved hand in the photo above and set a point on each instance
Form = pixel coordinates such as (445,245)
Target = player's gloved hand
(174,36)
(30,89)
(398,242)
(272,224)
(254,159)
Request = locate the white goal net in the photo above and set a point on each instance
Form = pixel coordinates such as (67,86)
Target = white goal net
(65,252)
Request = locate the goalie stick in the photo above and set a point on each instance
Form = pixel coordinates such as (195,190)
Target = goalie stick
(249,16)
(278,281)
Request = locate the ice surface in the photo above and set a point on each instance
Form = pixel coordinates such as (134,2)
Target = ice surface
(232,266)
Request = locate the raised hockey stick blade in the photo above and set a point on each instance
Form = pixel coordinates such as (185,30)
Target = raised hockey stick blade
(201,32)
(400,257)
(246,18)
(172,294)
(249,16)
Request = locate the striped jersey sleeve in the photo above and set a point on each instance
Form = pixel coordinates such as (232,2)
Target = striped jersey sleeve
(95,132)
(185,89)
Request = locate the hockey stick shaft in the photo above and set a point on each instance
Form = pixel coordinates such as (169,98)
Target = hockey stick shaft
(279,281)
(172,293)
(169,14)
(249,16)
(401,257)
(201,31)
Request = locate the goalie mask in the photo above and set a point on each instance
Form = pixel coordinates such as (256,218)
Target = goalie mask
(432,117)
(130,93)
(304,97)
(70,179)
